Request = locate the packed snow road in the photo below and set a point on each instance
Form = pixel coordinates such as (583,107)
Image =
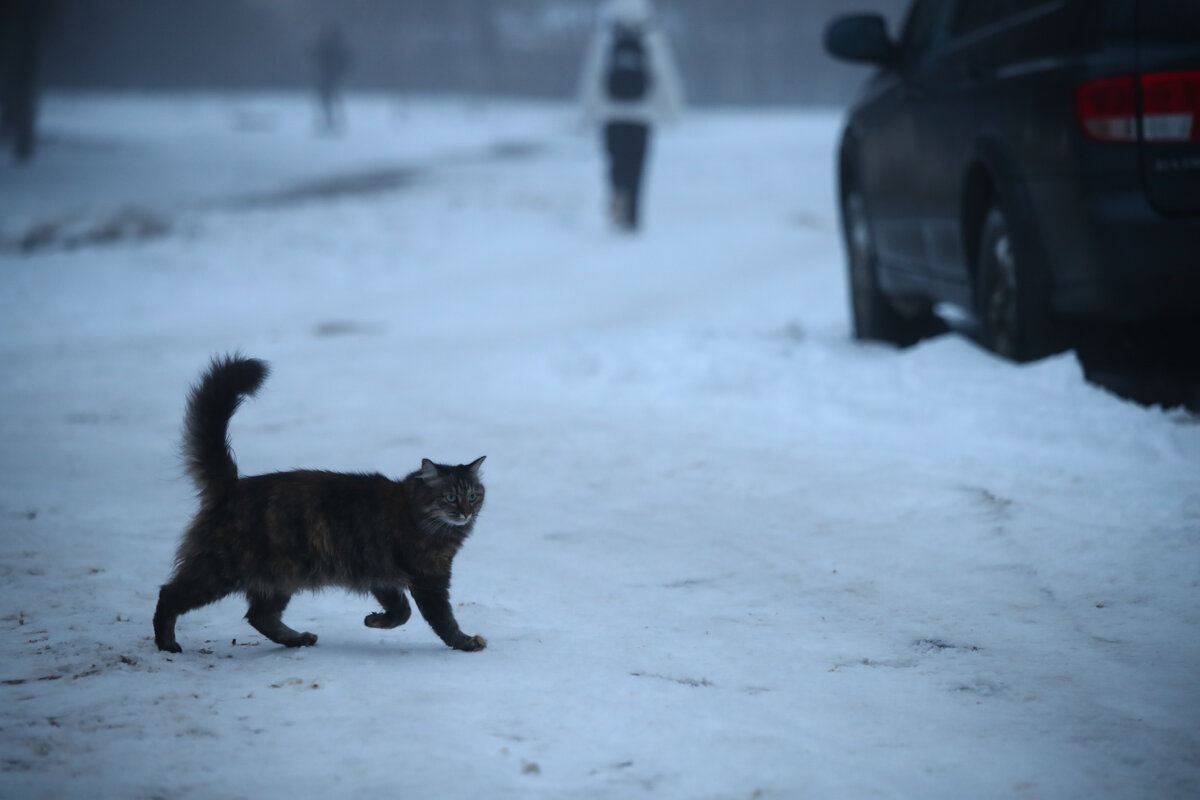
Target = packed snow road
(726,553)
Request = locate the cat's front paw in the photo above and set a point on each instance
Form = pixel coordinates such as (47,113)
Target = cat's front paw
(471,644)
(305,639)
(378,620)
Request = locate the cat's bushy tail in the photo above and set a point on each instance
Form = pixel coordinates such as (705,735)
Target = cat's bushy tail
(206,422)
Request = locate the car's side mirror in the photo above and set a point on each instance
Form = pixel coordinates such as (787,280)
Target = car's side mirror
(860,37)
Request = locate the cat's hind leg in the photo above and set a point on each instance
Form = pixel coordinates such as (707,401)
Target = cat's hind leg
(183,594)
(266,616)
(396,609)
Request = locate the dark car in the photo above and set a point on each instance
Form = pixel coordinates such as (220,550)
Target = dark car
(1032,166)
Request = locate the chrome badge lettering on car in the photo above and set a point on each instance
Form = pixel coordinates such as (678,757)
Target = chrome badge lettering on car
(1191,164)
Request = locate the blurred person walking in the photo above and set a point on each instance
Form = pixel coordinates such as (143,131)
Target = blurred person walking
(629,83)
(333,60)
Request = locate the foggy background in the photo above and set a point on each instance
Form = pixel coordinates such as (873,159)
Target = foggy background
(731,52)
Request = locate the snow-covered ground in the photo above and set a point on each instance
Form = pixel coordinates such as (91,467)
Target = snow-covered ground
(727,552)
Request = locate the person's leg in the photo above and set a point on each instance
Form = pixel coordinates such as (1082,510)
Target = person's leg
(622,144)
(612,152)
(638,146)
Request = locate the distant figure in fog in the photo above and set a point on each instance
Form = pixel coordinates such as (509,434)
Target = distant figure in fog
(333,60)
(23,25)
(630,82)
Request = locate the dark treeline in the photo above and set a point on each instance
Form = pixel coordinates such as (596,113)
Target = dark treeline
(731,51)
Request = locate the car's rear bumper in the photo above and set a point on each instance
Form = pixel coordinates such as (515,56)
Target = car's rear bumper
(1115,258)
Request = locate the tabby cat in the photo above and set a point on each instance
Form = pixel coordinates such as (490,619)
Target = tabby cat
(269,536)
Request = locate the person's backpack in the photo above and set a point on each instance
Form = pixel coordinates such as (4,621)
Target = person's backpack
(628,65)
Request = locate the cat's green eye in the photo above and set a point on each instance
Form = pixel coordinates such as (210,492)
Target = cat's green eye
(451,497)
(472,497)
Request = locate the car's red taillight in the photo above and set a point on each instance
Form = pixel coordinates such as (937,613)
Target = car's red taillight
(1171,107)
(1107,109)
(1167,110)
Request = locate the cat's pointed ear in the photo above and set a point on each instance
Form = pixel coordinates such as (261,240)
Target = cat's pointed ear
(475,465)
(429,470)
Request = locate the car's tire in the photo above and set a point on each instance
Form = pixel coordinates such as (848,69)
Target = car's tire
(874,316)
(1013,298)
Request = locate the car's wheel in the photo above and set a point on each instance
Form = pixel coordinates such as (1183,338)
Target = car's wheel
(1012,298)
(875,318)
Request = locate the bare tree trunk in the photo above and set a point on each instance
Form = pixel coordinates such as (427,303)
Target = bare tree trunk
(22,25)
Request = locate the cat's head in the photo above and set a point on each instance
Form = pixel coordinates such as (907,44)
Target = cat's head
(451,495)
